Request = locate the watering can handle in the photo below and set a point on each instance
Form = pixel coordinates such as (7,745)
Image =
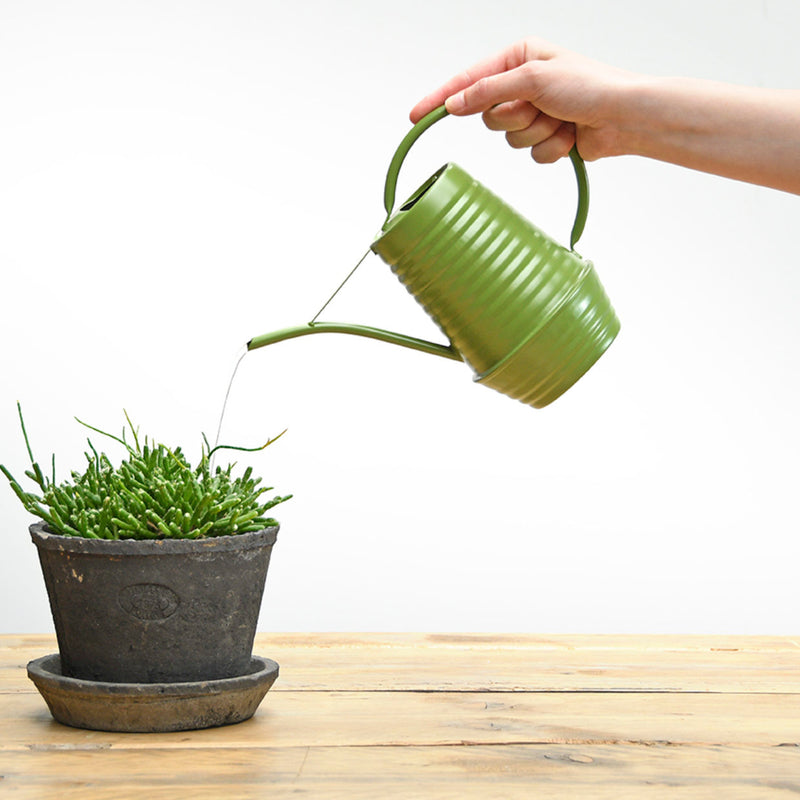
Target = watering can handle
(390,187)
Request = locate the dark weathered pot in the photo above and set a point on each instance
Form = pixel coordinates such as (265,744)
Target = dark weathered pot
(151,707)
(155,611)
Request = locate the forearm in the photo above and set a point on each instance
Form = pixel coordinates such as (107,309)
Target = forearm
(744,133)
(547,99)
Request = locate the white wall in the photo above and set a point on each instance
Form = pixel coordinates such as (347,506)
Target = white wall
(176,177)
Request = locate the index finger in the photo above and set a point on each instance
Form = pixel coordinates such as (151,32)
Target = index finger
(490,66)
(505,60)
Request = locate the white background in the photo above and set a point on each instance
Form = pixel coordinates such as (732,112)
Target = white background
(177,177)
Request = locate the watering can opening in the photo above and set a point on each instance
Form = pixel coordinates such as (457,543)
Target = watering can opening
(420,192)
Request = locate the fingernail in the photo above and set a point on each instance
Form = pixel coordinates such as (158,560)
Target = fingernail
(455,103)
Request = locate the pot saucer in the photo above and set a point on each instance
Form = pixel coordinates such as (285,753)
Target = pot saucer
(151,707)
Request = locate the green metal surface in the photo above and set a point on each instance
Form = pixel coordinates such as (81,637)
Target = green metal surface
(390,186)
(526,313)
(583,197)
(358,330)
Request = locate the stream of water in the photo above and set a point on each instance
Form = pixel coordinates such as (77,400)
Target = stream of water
(225,401)
(243,354)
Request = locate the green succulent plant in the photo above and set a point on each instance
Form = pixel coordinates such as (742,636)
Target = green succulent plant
(154,493)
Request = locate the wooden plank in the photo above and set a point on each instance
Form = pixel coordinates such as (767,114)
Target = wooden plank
(500,667)
(531,641)
(422,662)
(324,719)
(546,772)
(407,716)
(507,641)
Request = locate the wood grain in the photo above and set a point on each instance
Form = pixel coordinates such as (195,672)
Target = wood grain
(331,719)
(448,716)
(518,771)
(482,662)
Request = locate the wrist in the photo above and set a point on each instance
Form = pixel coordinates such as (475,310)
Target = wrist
(621,116)
(634,116)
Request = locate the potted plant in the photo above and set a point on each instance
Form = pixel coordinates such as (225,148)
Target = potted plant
(155,571)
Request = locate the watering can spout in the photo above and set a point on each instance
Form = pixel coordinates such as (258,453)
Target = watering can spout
(445,351)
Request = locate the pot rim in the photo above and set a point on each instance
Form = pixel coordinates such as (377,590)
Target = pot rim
(45,540)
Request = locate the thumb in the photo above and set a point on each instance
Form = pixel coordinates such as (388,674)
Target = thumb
(515,84)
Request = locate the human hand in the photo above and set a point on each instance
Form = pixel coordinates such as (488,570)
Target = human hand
(544,97)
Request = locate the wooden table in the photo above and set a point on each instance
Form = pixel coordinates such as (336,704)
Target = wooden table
(447,716)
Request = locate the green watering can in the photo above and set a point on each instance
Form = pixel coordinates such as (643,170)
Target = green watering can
(527,314)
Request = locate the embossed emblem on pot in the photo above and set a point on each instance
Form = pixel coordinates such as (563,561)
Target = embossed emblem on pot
(149,601)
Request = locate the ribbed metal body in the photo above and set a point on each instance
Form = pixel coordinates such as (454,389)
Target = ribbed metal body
(528,315)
